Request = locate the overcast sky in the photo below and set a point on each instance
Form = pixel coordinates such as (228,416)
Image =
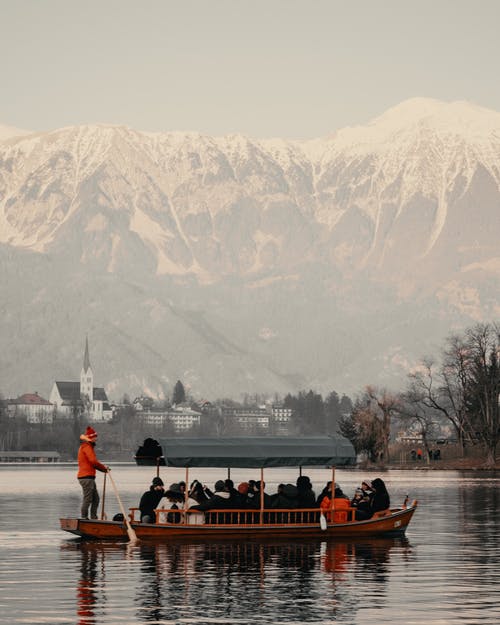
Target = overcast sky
(265,68)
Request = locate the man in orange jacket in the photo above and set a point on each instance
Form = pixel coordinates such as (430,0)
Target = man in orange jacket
(87,465)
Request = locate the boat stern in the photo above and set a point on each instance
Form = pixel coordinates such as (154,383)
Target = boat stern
(94,528)
(70,525)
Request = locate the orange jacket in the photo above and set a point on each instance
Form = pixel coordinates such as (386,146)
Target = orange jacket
(340,504)
(87,461)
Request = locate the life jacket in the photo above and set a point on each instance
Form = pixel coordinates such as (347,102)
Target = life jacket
(340,512)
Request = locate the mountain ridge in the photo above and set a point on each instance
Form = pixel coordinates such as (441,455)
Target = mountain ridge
(272,244)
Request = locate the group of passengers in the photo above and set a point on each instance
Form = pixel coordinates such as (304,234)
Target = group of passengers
(370,498)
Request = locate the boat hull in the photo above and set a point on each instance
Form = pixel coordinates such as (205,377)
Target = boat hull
(393,524)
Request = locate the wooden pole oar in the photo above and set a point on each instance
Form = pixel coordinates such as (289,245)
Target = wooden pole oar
(130,530)
(103,514)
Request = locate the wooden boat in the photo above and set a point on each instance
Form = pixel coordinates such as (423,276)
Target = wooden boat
(231,524)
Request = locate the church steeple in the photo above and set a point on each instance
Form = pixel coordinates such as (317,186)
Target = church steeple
(86,375)
(86,358)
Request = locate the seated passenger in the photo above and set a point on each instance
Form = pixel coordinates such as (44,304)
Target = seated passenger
(234,495)
(201,491)
(218,501)
(287,497)
(175,501)
(150,500)
(196,496)
(275,495)
(252,500)
(305,495)
(243,492)
(367,489)
(357,498)
(361,502)
(253,497)
(341,505)
(380,499)
(324,493)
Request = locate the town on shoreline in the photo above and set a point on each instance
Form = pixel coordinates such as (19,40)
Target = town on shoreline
(448,416)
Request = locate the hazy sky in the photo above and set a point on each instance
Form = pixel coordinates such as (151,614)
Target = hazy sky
(292,69)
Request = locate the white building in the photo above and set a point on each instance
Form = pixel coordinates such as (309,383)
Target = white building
(281,419)
(34,408)
(181,417)
(251,421)
(71,398)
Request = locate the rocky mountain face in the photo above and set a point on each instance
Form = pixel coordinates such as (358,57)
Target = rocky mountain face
(239,265)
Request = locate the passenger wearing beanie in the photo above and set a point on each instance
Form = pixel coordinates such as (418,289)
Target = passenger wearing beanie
(150,500)
(87,465)
(243,494)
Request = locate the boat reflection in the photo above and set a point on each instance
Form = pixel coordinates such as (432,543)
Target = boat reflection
(229,581)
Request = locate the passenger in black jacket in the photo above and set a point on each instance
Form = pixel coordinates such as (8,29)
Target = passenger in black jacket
(253,496)
(305,496)
(286,497)
(150,500)
(242,493)
(235,499)
(218,501)
(326,492)
(380,499)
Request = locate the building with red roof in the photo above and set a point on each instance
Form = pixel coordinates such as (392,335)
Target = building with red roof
(31,406)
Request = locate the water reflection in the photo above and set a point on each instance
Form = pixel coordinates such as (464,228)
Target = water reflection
(300,582)
(88,595)
(149,590)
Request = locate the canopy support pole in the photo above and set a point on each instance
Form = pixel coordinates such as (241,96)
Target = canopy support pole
(186,496)
(261,495)
(333,490)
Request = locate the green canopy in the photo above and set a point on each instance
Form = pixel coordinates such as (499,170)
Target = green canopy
(255,452)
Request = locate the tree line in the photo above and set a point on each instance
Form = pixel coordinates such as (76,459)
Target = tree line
(461,389)
(311,414)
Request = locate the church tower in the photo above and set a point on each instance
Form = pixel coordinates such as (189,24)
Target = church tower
(86,376)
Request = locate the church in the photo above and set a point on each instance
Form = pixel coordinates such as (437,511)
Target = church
(82,398)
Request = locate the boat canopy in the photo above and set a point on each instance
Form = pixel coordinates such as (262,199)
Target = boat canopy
(254,452)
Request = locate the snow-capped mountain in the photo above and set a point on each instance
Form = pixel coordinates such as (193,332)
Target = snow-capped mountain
(244,265)
(7,132)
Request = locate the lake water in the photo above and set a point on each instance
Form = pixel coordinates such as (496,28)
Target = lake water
(445,571)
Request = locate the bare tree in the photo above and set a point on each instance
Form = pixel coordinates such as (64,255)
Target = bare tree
(465,388)
(413,411)
(363,429)
(483,345)
(384,405)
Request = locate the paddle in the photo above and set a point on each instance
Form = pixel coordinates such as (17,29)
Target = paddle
(130,531)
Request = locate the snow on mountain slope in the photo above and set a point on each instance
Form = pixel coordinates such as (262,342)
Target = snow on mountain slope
(8,132)
(199,188)
(400,178)
(370,241)
(385,198)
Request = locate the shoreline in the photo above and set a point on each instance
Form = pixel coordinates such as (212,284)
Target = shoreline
(460,464)
(466,464)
